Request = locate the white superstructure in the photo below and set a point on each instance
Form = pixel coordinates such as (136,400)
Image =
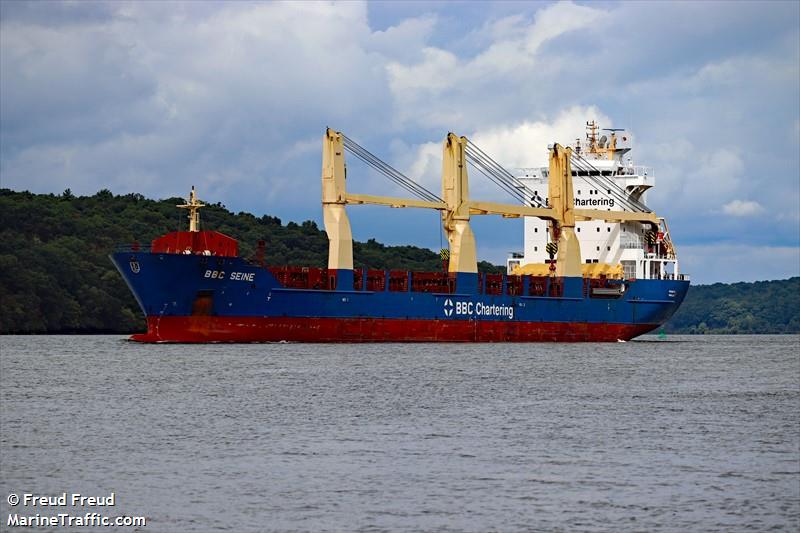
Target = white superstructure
(604,177)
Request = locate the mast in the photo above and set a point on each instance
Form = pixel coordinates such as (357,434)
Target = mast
(193,206)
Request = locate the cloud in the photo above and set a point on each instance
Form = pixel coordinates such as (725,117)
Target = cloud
(518,145)
(234,97)
(727,263)
(150,97)
(515,45)
(524,144)
(436,90)
(405,40)
(742,208)
(717,174)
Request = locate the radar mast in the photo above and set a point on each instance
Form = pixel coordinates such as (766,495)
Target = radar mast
(193,206)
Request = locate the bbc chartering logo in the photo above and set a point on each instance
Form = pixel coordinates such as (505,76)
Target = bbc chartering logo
(473,310)
(448,307)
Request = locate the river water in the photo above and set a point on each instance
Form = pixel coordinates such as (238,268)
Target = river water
(681,433)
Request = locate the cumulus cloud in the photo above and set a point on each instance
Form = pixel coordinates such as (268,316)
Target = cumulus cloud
(406,40)
(234,97)
(742,208)
(436,90)
(518,145)
(152,96)
(515,46)
(524,144)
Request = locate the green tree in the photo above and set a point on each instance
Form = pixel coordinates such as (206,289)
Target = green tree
(55,275)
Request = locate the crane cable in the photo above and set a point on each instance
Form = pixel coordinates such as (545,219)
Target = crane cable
(608,184)
(516,188)
(390,172)
(586,168)
(485,168)
(500,176)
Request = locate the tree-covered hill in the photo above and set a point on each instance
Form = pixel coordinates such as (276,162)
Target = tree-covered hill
(55,274)
(760,307)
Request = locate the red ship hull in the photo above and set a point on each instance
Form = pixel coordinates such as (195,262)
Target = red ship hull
(197,329)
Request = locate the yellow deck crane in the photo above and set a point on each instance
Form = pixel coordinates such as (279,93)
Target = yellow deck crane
(456,205)
(559,211)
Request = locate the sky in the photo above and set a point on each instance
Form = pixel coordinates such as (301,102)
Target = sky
(234,98)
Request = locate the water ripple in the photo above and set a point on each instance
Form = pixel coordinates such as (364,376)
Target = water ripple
(693,434)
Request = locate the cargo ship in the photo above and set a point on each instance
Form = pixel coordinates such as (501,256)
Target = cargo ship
(598,265)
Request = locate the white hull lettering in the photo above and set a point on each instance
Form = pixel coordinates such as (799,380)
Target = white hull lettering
(234,276)
(480,309)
